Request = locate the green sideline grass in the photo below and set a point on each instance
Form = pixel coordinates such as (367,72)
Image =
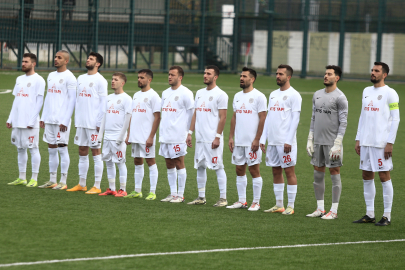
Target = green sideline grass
(39,224)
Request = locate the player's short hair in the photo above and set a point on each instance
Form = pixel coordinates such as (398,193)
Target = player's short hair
(99,58)
(121,76)
(215,68)
(179,70)
(64,51)
(32,56)
(147,72)
(385,67)
(251,71)
(337,69)
(289,69)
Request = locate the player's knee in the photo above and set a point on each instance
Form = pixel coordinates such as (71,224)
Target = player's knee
(150,161)
(367,175)
(384,176)
(62,145)
(334,171)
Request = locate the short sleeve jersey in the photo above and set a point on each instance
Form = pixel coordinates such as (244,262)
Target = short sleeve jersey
(247,107)
(174,120)
(26,90)
(281,106)
(57,98)
(375,115)
(144,105)
(326,110)
(207,105)
(90,88)
(117,107)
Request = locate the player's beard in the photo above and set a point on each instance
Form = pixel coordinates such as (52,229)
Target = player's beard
(281,83)
(208,82)
(140,85)
(328,83)
(244,85)
(174,82)
(26,69)
(89,67)
(374,80)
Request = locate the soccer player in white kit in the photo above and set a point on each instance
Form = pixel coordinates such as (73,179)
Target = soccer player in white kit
(247,125)
(211,104)
(24,119)
(376,133)
(59,103)
(115,124)
(145,119)
(177,111)
(90,108)
(280,131)
(328,126)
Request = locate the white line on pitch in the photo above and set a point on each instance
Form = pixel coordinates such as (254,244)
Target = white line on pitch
(198,252)
(6,91)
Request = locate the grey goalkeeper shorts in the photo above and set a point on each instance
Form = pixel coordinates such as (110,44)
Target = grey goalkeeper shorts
(320,157)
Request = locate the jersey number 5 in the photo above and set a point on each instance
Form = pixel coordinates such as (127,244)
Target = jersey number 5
(176,148)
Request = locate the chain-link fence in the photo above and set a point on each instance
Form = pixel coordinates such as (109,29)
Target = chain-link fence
(130,34)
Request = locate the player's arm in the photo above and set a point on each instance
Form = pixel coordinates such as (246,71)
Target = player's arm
(256,141)
(124,129)
(220,128)
(11,116)
(394,114)
(71,105)
(101,111)
(191,129)
(155,125)
(231,144)
(129,132)
(335,152)
(101,129)
(310,142)
(295,119)
(358,135)
(263,138)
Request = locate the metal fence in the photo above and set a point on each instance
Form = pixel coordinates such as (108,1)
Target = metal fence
(133,34)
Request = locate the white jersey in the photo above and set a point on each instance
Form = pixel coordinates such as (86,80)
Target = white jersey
(117,107)
(207,105)
(89,90)
(144,105)
(281,106)
(26,90)
(375,118)
(57,97)
(174,122)
(247,107)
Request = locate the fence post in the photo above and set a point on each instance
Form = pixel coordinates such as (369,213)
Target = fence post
(381,15)
(201,43)
(131,29)
(165,60)
(342,33)
(95,42)
(21,43)
(270,37)
(235,49)
(59,24)
(305,41)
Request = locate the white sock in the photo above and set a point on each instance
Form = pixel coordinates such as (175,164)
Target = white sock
(241,183)
(111,171)
(64,159)
(201,181)
(35,161)
(97,184)
(181,178)
(153,177)
(34,176)
(83,169)
(279,194)
(257,188)
(122,168)
(53,163)
(111,183)
(221,177)
(98,168)
(22,162)
(334,207)
(321,205)
(139,174)
(369,195)
(172,179)
(292,193)
(388,195)
(63,177)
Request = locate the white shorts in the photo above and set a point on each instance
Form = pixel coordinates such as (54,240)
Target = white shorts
(320,157)
(140,150)
(25,137)
(243,155)
(114,152)
(172,150)
(372,159)
(275,156)
(53,135)
(205,157)
(87,137)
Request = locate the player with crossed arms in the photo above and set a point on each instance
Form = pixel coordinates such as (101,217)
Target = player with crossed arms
(115,124)
(177,111)
(249,106)
(328,126)
(56,119)
(24,119)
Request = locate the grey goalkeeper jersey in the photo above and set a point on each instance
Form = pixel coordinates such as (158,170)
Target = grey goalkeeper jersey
(329,116)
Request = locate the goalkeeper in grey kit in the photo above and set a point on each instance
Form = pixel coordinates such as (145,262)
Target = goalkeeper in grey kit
(328,126)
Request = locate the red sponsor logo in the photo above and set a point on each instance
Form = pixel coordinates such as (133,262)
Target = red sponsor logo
(370,107)
(276,108)
(169,108)
(54,90)
(112,110)
(243,109)
(138,109)
(203,109)
(21,93)
(84,93)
